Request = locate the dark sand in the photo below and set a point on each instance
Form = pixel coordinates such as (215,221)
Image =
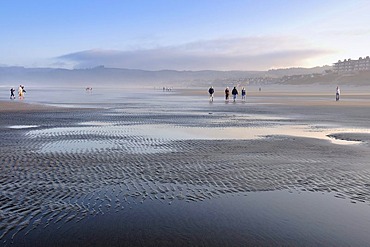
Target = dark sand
(173,169)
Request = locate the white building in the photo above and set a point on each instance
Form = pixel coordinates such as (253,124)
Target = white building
(348,65)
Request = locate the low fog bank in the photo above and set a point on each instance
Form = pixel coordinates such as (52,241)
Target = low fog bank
(108,77)
(101,76)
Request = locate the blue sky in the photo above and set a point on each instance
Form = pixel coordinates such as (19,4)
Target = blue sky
(183,35)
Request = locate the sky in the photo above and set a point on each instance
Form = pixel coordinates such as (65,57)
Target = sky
(183,34)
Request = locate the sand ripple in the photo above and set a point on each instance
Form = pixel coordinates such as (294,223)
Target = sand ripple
(64,171)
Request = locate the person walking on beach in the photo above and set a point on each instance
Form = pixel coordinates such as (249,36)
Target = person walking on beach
(227,93)
(20,92)
(12,96)
(337,94)
(234,93)
(244,92)
(211,91)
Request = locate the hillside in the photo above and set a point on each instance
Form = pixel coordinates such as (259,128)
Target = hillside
(101,76)
(360,78)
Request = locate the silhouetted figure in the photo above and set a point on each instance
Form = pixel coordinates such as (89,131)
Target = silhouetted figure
(244,92)
(12,96)
(211,91)
(337,94)
(227,93)
(234,93)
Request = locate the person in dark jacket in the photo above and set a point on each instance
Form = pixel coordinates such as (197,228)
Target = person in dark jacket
(12,96)
(244,92)
(227,93)
(211,91)
(234,93)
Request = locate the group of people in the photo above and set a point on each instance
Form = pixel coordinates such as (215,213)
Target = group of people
(234,92)
(168,89)
(21,92)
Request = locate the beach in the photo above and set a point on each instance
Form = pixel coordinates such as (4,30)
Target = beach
(129,167)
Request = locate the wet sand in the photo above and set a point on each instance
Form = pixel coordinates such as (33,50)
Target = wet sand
(20,106)
(170,168)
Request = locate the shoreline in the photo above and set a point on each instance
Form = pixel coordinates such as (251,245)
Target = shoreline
(281,97)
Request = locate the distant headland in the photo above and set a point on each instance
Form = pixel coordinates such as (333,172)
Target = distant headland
(348,71)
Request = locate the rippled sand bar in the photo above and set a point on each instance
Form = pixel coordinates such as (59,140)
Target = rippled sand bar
(170,168)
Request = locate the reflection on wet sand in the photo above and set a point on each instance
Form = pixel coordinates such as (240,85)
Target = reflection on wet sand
(63,169)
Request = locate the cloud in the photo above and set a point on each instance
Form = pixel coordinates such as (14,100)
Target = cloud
(252,53)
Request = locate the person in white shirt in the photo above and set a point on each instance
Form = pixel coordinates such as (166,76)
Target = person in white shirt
(20,92)
(337,94)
